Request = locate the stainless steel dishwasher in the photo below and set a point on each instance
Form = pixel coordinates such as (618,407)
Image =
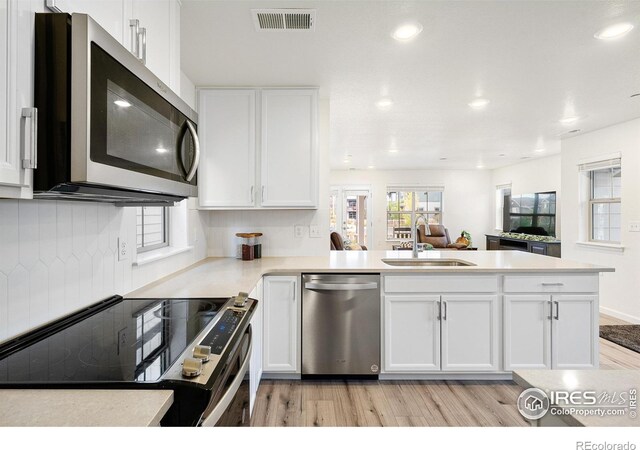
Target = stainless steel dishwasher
(341,325)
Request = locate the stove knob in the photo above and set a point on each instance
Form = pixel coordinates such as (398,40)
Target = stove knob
(191,367)
(202,352)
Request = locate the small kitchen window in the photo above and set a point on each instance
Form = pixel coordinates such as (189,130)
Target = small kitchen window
(406,203)
(152,229)
(604,202)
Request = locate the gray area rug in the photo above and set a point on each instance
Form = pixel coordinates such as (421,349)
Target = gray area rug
(625,335)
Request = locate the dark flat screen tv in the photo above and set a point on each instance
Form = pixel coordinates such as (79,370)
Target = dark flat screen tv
(531,213)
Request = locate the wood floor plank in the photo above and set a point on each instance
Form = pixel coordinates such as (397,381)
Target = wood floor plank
(289,410)
(319,413)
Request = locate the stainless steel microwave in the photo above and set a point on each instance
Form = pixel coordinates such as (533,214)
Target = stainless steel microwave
(110,130)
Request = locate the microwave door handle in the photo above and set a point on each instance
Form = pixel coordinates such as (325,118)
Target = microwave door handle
(210,420)
(196,158)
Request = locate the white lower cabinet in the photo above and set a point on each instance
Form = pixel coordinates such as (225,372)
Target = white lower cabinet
(281,324)
(411,333)
(426,333)
(470,333)
(547,331)
(255,364)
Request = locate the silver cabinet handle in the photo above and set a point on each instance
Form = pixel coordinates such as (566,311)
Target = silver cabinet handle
(439,310)
(142,36)
(550,316)
(341,286)
(444,315)
(552,284)
(30,159)
(251,194)
(262,195)
(196,145)
(134,25)
(557,316)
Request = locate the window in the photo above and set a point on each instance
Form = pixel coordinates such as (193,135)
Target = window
(152,229)
(503,194)
(604,204)
(404,204)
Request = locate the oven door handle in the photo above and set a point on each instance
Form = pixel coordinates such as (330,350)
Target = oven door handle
(227,398)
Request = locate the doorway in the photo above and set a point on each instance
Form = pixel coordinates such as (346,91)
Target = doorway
(350,213)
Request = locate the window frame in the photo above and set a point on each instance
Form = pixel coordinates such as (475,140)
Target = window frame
(165,237)
(608,200)
(414,213)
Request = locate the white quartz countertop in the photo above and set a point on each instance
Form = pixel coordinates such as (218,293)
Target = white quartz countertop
(224,277)
(613,383)
(83,408)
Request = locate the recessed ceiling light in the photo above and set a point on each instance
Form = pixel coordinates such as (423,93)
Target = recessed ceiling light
(479,103)
(346,160)
(407,31)
(614,31)
(122,103)
(539,150)
(384,103)
(479,166)
(162,150)
(570,120)
(371,167)
(393,150)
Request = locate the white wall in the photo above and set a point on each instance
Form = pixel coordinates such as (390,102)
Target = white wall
(467,201)
(537,175)
(619,291)
(277,226)
(57,257)
(187,90)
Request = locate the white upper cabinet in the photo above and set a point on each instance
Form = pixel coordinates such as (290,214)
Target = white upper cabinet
(160,20)
(259,148)
(18,120)
(289,147)
(110,14)
(227,122)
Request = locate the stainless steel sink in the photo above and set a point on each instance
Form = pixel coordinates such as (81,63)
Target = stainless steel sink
(426,262)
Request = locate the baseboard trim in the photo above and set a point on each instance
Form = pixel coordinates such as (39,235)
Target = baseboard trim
(448,376)
(619,315)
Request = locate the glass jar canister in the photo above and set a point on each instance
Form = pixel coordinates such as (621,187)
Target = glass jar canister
(244,246)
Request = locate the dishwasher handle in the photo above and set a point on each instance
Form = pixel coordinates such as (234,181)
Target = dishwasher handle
(340,286)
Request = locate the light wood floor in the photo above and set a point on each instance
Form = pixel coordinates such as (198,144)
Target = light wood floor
(406,403)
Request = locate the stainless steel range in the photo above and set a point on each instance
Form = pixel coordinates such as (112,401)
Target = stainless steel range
(200,348)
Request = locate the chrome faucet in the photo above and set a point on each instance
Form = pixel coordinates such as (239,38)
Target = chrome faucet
(415,233)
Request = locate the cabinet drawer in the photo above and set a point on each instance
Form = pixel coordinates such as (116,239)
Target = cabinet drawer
(551,283)
(441,283)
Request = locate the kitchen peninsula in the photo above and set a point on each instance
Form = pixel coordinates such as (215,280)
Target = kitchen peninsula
(504,311)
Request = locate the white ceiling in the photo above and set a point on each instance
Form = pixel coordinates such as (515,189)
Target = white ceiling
(536,61)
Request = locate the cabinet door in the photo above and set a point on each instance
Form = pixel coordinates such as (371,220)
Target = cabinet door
(109,14)
(493,243)
(281,314)
(289,153)
(470,331)
(155,17)
(226,177)
(527,332)
(16,85)
(540,249)
(574,332)
(256,352)
(411,333)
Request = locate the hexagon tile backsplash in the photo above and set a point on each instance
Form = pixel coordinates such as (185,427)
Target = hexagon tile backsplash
(57,257)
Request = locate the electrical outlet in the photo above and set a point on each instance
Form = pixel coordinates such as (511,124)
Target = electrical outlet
(123,249)
(314,231)
(299,231)
(634,227)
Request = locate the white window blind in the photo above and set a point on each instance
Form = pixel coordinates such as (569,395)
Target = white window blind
(596,165)
(151,227)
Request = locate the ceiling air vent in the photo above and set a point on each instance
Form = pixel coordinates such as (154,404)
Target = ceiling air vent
(284,19)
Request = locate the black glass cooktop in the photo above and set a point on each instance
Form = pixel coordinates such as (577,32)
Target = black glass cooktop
(133,340)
